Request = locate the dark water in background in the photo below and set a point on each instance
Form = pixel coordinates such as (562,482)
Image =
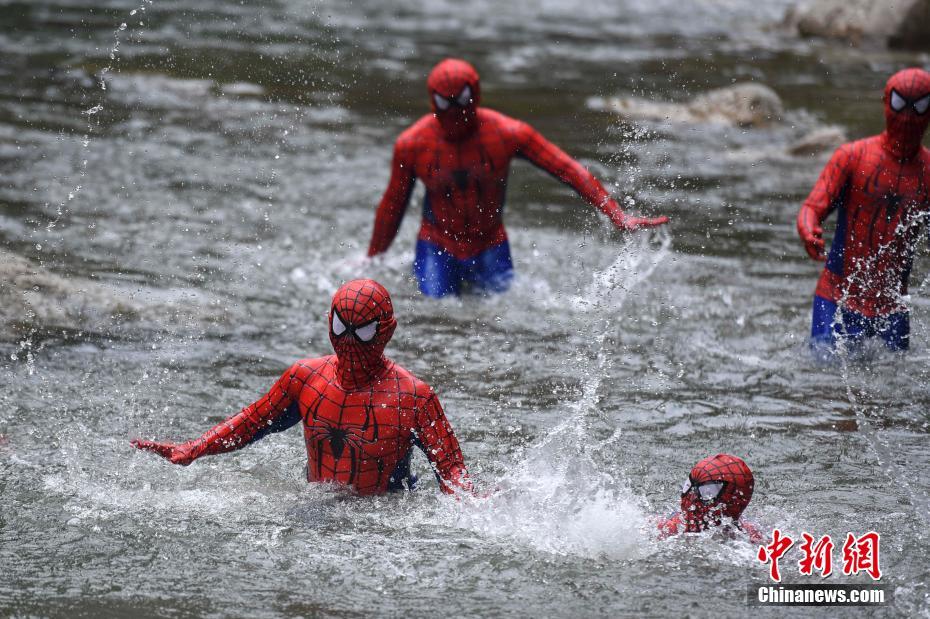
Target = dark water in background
(191,232)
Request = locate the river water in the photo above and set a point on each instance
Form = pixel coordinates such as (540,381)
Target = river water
(181,195)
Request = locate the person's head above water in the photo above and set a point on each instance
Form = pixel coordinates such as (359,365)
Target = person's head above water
(718,487)
(361,323)
(454,95)
(907,110)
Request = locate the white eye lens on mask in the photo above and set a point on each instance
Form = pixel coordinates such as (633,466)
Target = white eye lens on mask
(921,105)
(685,487)
(338,327)
(442,104)
(710,491)
(897,102)
(367,332)
(464,97)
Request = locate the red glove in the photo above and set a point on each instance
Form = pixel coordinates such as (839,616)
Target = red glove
(629,222)
(811,234)
(177,453)
(755,535)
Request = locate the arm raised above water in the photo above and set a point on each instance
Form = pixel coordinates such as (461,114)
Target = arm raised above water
(547,156)
(274,412)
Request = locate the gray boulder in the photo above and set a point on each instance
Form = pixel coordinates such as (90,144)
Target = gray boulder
(33,297)
(819,140)
(897,24)
(745,104)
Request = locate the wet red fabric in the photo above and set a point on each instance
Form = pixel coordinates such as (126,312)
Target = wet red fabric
(880,188)
(353,436)
(462,155)
(448,80)
(361,302)
(726,509)
(904,129)
(675,525)
(361,412)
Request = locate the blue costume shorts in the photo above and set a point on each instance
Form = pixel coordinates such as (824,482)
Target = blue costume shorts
(440,274)
(827,328)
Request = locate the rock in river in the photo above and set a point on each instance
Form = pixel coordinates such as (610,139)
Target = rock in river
(902,23)
(745,104)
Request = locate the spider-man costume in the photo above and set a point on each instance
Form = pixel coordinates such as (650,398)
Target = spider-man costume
(361,412)
(880,188)
(462,152)
(715,495)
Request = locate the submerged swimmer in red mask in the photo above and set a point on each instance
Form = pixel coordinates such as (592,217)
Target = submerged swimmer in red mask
(714,497)
(461,152)
(361,412)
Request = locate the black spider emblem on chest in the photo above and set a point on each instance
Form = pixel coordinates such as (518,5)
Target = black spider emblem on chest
(343,438)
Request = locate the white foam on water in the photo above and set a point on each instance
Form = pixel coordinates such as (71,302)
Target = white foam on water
(556,498)
(861,386)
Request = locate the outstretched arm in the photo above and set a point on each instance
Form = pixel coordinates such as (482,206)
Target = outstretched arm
(670,526)
(441,447)
(273,412)
(549,157)
(394,202)
(827,194)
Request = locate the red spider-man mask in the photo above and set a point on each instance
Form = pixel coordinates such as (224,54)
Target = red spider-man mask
(361,323)
(454,95)
(907,99)
(718,486)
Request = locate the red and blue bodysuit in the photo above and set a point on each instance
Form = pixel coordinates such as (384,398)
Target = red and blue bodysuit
(880,189)
(462,152)
(361,413)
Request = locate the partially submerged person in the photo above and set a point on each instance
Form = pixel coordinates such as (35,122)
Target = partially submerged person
(714,497)
(461,153)
(361,412)
(880,189)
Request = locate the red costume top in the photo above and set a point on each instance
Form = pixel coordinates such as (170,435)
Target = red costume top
(677,523)
(462,155)
(361,412)
(880,187)
(715,495)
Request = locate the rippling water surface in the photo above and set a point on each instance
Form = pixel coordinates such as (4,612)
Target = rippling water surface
(180,196)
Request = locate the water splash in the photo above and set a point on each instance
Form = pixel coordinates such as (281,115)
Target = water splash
(557,497)
(849,353)
(91,113)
